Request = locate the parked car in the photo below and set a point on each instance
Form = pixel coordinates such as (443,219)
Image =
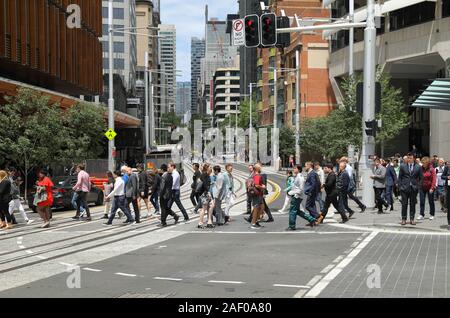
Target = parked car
(62,193)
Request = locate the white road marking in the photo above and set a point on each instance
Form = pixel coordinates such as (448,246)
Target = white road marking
(321,285)
(355,244)
(21,247)
(224,282)
(327,269)
(29,251)
(41,257)
(126,275)
(314,280)
(66,264)
(300,293)
(291,286)
(160,247)
(299,232)
(92,269)
(338,259)
(168,278)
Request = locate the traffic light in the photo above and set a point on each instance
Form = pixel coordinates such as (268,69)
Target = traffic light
(251,30)
(268,29)
(360,97)
(283,39)
(371,128)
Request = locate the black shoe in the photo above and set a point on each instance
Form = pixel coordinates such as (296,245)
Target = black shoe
(269,220)
(363,209)
(290,229)
(248,220)
(161,225)
(392,208)
(201,227)
(76,218)
(107,224)
(186,220)
(227,218)
(344,220)
(311,224)
(89,219)
(380,212)
(105,217)
(353,212)
(210,226)
(176,218)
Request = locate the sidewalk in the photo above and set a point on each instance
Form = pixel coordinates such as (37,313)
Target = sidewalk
(392,219)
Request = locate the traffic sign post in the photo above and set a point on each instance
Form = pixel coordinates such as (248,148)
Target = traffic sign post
(111,134)
(238,32)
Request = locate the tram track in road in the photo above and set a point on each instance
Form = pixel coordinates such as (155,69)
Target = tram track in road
(50,246)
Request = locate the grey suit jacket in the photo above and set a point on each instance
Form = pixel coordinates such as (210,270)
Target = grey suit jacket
(132,187)
(379,180)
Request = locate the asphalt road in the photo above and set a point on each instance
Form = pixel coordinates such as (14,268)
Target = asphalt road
(332,260)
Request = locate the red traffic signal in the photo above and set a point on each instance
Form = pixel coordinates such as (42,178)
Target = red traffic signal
(269,29)
(251,23)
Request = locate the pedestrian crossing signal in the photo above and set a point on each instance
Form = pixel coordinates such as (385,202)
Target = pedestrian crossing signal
(251,31)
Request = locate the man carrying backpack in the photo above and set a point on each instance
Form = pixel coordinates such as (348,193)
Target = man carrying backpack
(312,188)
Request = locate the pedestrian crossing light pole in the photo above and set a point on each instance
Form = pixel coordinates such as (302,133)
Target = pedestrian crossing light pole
(111,145)
(368,145)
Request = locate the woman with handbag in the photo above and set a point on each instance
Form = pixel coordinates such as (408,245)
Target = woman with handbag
(5,198)
(44,197)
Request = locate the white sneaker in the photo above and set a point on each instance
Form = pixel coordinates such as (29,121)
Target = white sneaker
(420,218)
(431,218)
(29,222)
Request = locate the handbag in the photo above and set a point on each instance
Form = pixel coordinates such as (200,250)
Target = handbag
(40,196)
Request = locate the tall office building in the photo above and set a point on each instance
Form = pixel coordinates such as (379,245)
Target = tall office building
(125,44)
(168,62)
(197,53)
(147,16)
(413,47)
(183,100)
(219,53)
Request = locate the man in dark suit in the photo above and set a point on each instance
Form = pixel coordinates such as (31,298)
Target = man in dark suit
(312,187)
(446,176)
(391,181)
(332,195)
(409,180)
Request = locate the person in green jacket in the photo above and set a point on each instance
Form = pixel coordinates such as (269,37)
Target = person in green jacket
(287,200)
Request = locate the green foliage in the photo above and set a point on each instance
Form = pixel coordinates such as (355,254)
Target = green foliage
(36,132)
(85,126)
(331,135)
(287,141)
(243,117)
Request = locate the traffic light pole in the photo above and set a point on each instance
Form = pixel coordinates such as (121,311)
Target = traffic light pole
(297,107)
(368,145)
(250,132)
(111,163)
(147,128)
(275,103)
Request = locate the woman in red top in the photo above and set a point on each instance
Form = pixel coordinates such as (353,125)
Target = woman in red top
(43,208)
(427,188)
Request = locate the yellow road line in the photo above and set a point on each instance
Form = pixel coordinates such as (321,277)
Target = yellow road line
(276,194)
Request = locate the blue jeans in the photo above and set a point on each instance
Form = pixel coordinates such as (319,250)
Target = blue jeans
(120,203)
(154,199)
(74,202)
(319,199)
(423,195)
(295,211)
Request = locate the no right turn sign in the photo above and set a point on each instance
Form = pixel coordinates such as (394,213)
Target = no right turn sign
(238,32)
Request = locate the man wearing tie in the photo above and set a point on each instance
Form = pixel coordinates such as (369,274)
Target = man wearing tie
(409,180)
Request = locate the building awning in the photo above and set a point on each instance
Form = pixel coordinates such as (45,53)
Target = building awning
(436,96)
(9,87)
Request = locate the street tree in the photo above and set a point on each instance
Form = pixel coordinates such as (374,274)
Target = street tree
(85,127)
(32,133)
(331,135)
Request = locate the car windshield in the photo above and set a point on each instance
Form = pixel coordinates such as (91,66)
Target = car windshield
(61,181)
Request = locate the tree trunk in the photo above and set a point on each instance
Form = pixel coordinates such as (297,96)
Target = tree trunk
(26,182)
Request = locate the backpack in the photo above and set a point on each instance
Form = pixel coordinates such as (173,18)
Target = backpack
(250,185)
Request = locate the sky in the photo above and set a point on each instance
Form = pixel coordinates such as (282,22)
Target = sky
(189,18)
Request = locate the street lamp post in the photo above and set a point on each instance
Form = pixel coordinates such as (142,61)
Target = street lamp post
(275,103)
(297,108)
(147,128)
(250,132)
